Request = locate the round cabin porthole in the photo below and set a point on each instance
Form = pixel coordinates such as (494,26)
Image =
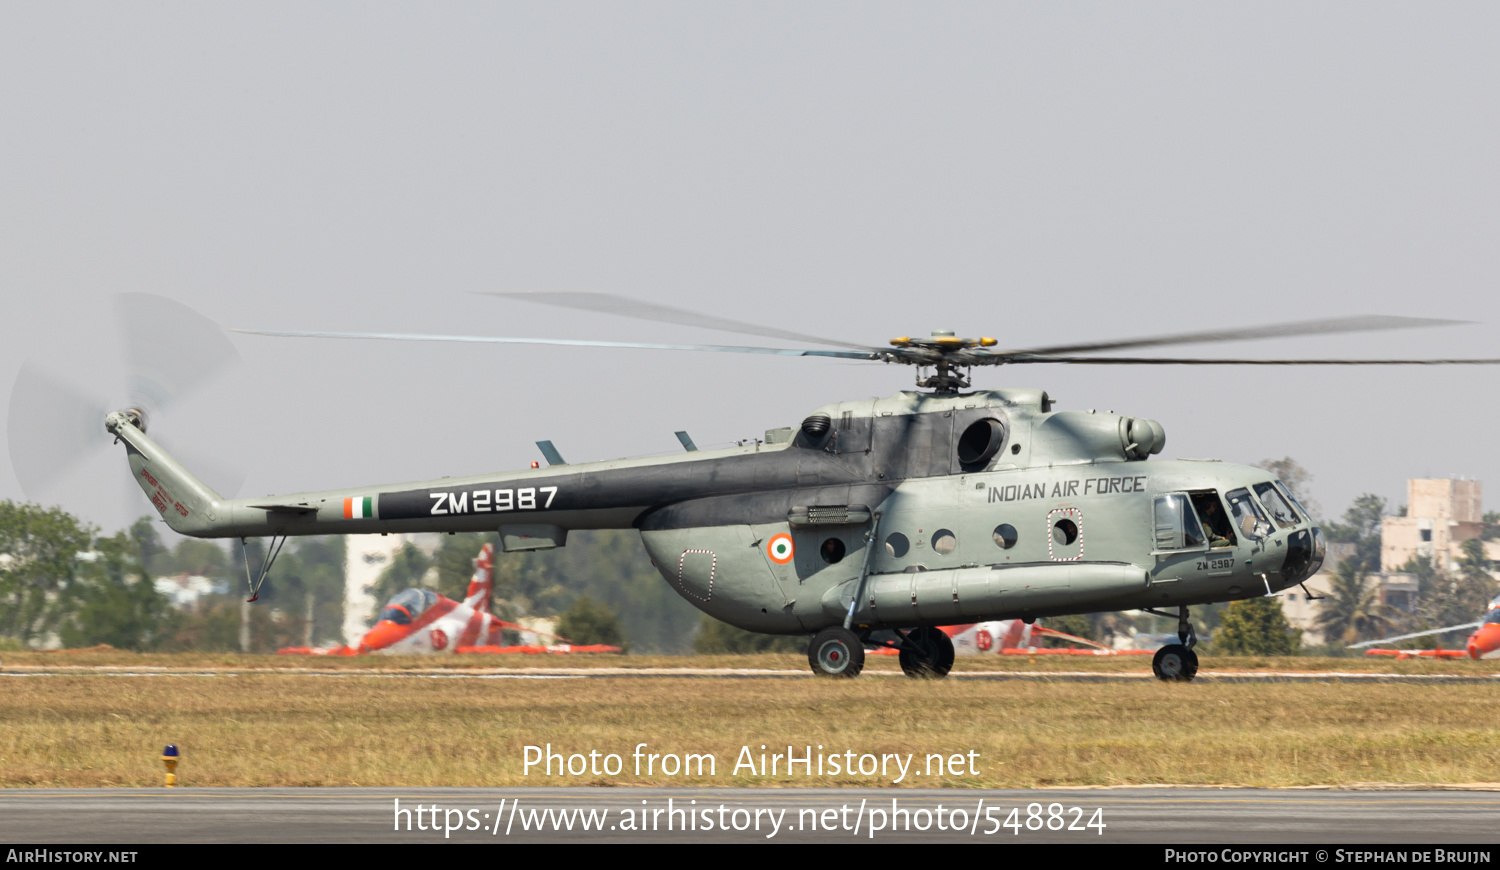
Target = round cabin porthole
(1064,532)
(897,544)
(1005,536)
(832,551)
(943,542)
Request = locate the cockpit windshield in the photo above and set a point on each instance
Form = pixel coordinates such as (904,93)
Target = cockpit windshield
(1248,519)
(408,605)
(1493,617)
(1292,500)
(1272,501)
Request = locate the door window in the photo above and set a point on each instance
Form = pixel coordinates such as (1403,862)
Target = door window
(1177,526)
(1065,535)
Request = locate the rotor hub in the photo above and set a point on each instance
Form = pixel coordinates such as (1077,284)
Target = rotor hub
(943,340)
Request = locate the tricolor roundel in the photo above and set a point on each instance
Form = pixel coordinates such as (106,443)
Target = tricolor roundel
(359,507)
(780,549)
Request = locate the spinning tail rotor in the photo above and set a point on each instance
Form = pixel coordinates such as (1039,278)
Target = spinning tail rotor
(169,352)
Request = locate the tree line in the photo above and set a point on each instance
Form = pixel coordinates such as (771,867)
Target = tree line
(64,583)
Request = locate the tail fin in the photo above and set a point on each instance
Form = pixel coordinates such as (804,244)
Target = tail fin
(187,504)
(478,596)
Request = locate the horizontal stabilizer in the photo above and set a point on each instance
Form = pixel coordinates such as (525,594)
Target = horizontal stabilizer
(297,508)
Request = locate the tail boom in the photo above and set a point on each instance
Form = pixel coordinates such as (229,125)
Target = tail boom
(524,506)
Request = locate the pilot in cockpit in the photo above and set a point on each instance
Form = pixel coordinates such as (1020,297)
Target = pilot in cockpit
(1214,523)
(407,606)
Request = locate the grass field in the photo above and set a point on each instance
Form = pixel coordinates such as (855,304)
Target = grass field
(53,660)
(263,728)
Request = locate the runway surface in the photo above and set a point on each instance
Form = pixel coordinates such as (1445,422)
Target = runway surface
(734,673)
(1137,815)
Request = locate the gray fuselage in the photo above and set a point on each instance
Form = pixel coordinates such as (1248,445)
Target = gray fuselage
(982,505)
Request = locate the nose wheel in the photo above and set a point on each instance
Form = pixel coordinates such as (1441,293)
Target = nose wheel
(1176,662)
(836,652)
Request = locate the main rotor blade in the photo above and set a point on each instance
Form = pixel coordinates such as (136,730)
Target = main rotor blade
(608,303)
(1365,323)
(52,428)
(1215,361)
(564,342)
(170,349)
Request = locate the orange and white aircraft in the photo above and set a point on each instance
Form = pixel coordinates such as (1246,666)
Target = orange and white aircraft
(1016,637)
(419,621)
(1484,643)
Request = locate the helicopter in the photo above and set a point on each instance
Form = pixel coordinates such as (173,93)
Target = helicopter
(937,506)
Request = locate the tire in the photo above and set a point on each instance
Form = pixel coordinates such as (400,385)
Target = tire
(1175,662)
(836,652)
(927,654)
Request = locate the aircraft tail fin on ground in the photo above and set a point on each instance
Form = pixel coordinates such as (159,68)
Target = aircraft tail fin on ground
(483,584)
(187,504)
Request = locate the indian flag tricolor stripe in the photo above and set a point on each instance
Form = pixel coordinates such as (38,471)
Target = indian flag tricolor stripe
(359,508)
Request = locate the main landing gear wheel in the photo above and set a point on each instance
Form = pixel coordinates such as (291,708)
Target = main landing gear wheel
(836,652)
(926,653)
(1175,662)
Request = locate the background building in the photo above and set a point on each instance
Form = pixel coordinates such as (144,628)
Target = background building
(1440,515)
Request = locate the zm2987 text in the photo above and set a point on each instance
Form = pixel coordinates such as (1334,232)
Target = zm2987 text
(479,501)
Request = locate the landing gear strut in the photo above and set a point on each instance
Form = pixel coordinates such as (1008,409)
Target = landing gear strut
(1177,661)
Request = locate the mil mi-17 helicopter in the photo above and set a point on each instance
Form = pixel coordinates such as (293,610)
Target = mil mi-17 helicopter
(932,507)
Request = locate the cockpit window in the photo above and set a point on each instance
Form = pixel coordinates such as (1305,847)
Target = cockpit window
(1493,617)
(1292,500)
(1248,519)
(1177,525)
(1215,522)
(1272,501)
(408,605)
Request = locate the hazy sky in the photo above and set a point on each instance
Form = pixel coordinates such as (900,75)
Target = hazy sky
(1038,172)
